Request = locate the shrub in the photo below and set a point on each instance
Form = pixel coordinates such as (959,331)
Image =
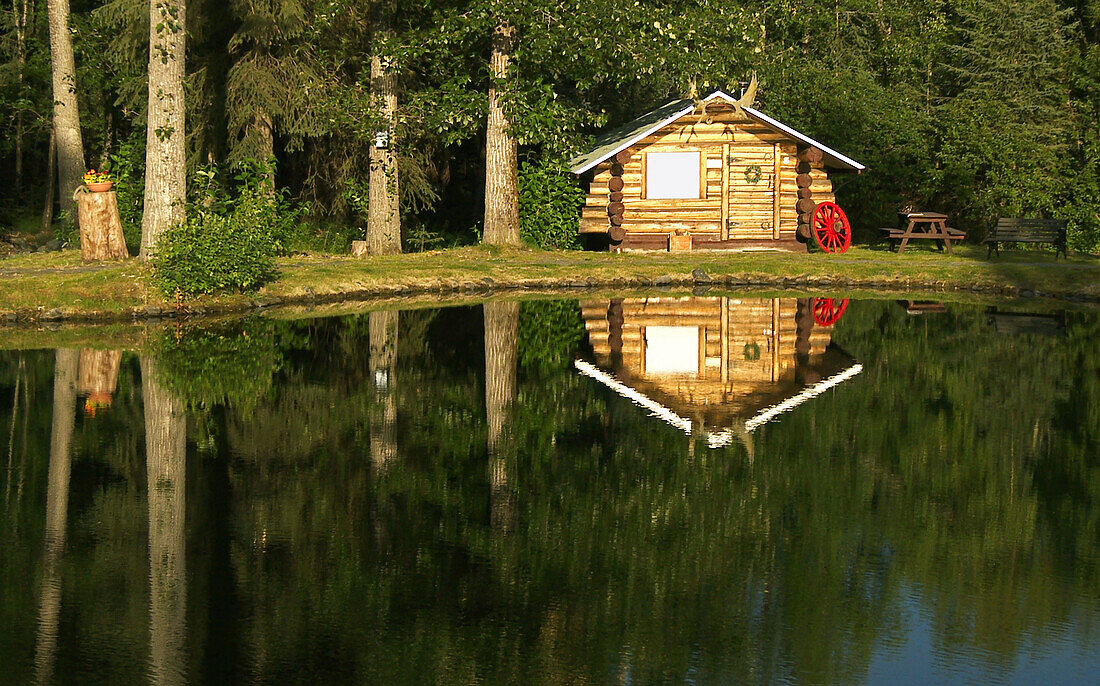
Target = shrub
(549,199)
(227,243)
(209,253)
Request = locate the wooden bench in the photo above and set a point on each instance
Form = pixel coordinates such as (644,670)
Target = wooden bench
(1018,230)
(895,235)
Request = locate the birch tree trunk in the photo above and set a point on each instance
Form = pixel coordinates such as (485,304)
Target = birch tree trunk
(165,170)
(384,202)
(166,474)
(501,160)
(66,115)
(57,511)
(501,353)
(51,166)
(383,369)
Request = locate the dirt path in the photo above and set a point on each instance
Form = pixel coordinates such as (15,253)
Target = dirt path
(83,269)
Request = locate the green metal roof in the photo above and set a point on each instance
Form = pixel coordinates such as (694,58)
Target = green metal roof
(626,135)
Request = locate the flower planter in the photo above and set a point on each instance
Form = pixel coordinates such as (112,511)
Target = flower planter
(100,187)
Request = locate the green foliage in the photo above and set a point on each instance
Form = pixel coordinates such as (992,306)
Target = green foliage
(550,331)
(229,363)
(231,235)
(128,168)
(976,108)
(549,203)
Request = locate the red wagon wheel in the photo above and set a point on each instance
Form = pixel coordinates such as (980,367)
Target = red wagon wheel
(830,227)
(827,310)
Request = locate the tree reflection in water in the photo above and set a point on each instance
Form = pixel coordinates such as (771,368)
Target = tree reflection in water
(335,529)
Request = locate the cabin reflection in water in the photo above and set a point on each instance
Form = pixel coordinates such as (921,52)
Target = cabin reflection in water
(715,367)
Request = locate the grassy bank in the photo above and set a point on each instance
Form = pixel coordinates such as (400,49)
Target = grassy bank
(57,286)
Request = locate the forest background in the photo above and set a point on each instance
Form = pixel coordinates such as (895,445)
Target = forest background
(978,108)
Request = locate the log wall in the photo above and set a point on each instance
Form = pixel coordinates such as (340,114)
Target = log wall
(731,206)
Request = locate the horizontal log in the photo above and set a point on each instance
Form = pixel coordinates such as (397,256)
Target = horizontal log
(615,219)
(698,309)
(673,205)
(803,168)
(593,213)
(616,184)
(741,152)
(628,190)
(803,180)
(615,207)
(616,233)
(805,205)
(815,186)
(683,215)
(803,230)
(617,169)
(748,193)
(670,226)
(592,226)
(805,193)
(623,156)
(615,196)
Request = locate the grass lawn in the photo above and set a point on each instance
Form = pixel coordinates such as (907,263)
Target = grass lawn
(34,284)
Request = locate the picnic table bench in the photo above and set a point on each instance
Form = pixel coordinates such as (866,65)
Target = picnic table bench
(1018,230)
(926,225)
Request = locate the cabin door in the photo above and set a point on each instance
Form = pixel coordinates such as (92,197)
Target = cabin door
(752,191)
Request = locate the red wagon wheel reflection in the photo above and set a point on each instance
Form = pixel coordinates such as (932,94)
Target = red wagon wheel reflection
(827,310)
(831,229)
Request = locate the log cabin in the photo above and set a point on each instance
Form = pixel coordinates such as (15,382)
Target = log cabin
(717,368)
(709,174)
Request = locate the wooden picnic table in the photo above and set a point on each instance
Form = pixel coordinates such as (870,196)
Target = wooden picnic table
(924,225)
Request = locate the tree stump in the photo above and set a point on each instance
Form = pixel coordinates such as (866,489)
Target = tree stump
(100,227)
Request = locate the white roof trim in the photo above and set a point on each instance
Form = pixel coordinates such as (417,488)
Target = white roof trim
(766,415)
(655,408)
(757,114)
(720,95)
(716,439)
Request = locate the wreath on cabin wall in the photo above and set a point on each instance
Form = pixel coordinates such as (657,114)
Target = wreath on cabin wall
(753,173)
(752,351)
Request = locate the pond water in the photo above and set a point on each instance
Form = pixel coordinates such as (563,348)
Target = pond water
(638,490)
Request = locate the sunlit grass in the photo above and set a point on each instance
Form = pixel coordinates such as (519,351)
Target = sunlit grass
(40,282)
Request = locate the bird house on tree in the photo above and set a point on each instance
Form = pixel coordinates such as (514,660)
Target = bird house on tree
(714,173)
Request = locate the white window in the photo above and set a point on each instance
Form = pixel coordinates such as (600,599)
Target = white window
(672,174)
(672,350)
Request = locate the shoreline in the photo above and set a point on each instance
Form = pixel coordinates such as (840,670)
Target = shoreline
(121,292)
